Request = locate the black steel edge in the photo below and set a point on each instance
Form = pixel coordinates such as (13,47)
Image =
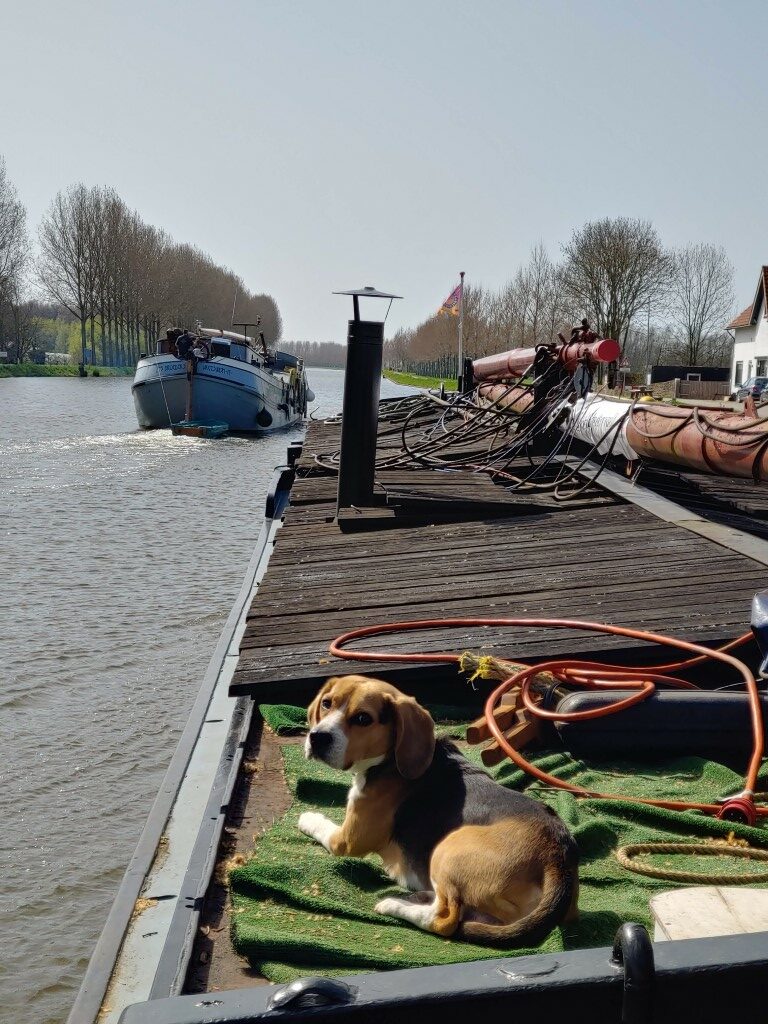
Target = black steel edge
(696,979)
(102,962)
(177,949)
(279,491)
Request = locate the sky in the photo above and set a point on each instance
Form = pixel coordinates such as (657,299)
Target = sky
(318,146)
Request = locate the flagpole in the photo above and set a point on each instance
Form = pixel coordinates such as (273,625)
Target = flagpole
(461,328)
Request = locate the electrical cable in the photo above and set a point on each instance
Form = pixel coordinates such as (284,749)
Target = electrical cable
(590,675)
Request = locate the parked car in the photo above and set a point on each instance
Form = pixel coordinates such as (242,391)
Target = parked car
(755,387)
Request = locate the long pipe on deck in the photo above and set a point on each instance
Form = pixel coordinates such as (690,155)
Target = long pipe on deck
(517,399)
(218,332)
(568,354)
(712,441)
(709,440)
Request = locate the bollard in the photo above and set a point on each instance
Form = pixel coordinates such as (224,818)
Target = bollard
(360,413)
(360,410)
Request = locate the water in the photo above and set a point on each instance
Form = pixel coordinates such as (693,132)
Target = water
(122,553)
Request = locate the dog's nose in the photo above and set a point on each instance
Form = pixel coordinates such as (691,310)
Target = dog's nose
(320,742)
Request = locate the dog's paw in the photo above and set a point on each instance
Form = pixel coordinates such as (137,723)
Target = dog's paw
(318,827)
(388,906)
(310,822)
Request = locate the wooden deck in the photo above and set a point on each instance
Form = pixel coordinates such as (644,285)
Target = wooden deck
(740,504)
(440,545)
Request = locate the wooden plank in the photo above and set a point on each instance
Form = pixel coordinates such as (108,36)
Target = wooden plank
(708,911)
(600,560)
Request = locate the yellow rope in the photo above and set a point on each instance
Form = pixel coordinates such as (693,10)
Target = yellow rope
(625,855)
(484,666)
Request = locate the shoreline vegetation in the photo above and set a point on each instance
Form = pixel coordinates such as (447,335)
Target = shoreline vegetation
(101,283)
(61,370)
(414,380)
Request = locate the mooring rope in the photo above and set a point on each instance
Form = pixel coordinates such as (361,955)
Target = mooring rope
(625,856)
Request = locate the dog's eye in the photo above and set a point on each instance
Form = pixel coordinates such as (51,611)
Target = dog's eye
(325,703)
(362,718)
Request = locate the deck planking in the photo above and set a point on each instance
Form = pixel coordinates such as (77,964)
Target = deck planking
(448,556)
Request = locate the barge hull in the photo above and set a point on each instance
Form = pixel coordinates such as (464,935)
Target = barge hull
(222,392)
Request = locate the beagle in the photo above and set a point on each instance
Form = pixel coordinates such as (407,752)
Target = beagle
(486,863)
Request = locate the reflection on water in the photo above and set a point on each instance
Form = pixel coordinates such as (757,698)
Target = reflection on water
(122,552)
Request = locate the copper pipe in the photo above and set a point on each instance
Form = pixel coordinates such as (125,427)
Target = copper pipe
(712,441)
(518,360)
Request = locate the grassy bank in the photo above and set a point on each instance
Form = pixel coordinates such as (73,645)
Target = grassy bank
(65,370)
(415,381)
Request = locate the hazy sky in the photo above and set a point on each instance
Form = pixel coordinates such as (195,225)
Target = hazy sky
(327,145)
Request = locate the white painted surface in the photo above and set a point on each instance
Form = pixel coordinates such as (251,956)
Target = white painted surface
(750,344)
(592,419)
(707,911)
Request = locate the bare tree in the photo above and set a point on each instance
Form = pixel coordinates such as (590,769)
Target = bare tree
(113,271)
(68,259)
(701,300)
(14,241)
(613,268)
(24,329)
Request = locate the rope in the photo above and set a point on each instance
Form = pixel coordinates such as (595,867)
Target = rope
(625,854)
(162,389)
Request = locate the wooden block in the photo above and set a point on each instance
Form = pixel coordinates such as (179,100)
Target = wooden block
(708,911)
(492,755)
(505,715)
(519,737)
(524,733)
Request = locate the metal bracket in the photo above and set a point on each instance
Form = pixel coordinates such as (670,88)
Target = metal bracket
(633,951)
(582,379)
(759,623)
(308,993)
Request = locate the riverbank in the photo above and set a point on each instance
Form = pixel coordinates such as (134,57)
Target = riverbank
(61,370)
(415,381)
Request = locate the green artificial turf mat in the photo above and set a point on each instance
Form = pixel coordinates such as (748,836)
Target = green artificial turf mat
(297,910)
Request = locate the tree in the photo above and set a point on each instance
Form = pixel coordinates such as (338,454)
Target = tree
(24,329)
(14,241)
(701,300)
(69,254)
(114,272)
(613,269)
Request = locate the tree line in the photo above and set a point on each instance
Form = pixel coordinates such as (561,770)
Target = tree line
(319,353)
(662,305)
(122,280)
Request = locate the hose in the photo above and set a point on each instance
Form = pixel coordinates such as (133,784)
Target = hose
(590,675)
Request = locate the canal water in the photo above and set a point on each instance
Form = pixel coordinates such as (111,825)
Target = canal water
(122,552)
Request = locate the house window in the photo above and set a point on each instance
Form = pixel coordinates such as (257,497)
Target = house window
(760,367)
(739,373)
(693,376)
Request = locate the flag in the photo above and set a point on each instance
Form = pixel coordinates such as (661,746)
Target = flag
(452,303)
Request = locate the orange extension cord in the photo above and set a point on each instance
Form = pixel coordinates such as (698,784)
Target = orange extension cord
(593,676)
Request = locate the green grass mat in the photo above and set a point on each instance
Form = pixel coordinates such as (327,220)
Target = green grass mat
(297,910)
(289,720)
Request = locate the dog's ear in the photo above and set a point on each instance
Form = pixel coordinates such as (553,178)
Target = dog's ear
(414,737)
(313,711)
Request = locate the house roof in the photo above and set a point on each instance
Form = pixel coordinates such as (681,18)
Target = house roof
(744,319)
(748,316)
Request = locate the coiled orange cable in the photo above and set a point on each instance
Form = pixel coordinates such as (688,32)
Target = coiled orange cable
(591,675)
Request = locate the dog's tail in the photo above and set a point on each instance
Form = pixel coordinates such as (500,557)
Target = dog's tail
(558,891)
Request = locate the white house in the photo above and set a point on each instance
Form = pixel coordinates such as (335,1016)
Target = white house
(750,337)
